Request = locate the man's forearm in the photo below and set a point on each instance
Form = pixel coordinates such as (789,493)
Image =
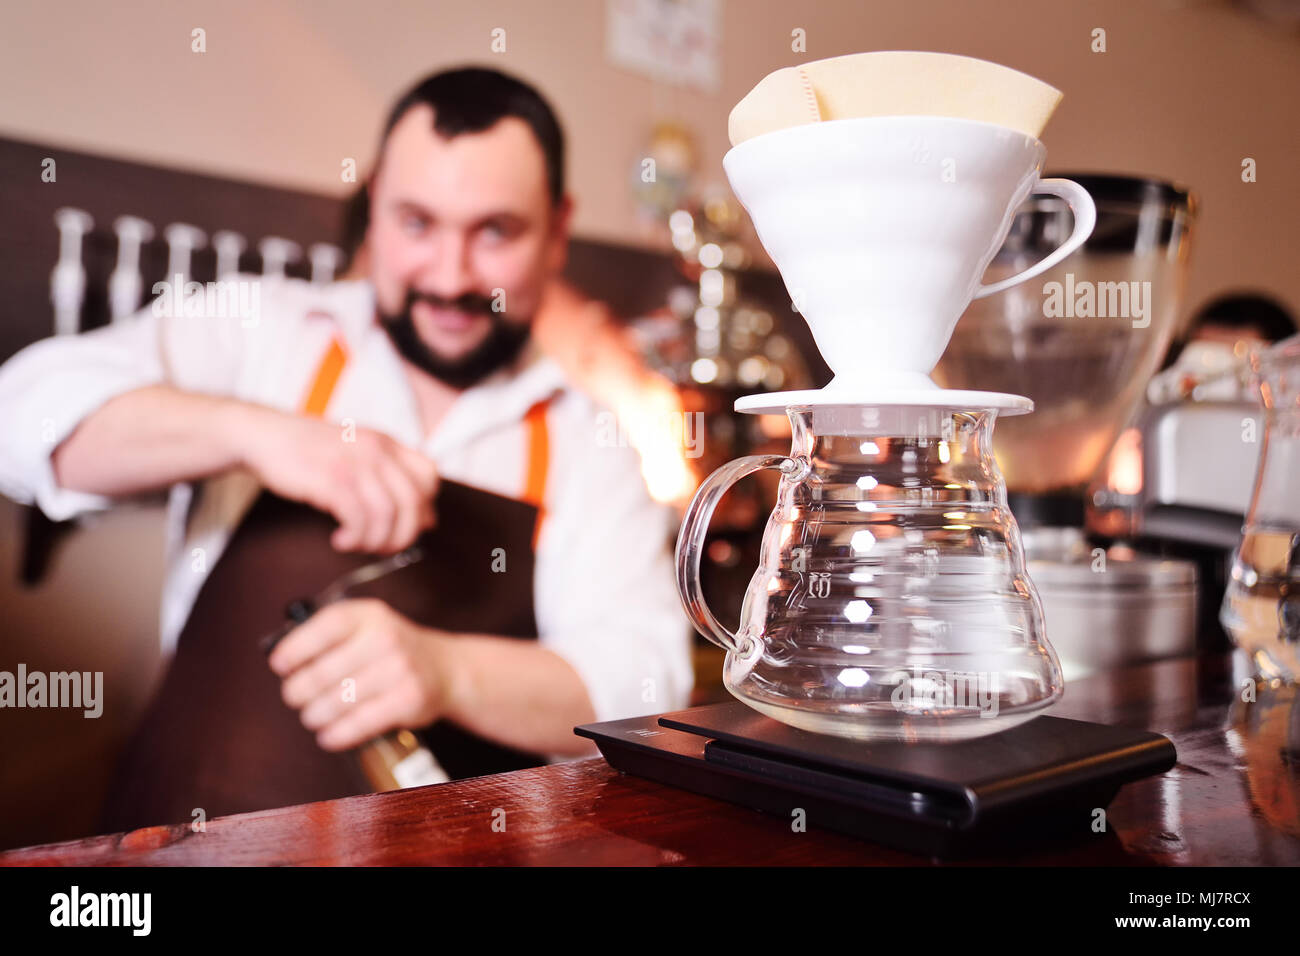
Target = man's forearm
(150,438)
(520,694)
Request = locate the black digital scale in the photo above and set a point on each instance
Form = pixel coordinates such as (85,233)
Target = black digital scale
(1047,776)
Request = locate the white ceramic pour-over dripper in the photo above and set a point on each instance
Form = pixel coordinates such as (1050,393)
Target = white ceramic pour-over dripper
(881,228)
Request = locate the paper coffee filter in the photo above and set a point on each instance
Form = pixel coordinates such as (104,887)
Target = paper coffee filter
(894,83)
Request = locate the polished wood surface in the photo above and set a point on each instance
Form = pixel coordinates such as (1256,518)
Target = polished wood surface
(1232,799)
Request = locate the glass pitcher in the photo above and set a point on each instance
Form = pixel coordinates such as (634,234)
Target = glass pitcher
(1261,606)
(891,599)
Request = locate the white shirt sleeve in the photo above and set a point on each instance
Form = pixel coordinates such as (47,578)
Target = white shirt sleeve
(606,597)
(49,387)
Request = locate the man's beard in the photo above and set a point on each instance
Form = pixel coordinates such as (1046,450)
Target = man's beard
(504,341)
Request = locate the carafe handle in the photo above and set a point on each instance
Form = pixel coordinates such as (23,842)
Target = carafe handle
(690,542)
(1085,219)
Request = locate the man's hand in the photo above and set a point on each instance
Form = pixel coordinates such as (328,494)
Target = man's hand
(402,674)
(379,490)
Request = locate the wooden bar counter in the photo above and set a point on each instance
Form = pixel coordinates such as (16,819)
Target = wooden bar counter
(1233,799)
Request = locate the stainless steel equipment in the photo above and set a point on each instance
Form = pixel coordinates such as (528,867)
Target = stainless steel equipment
(1107,607)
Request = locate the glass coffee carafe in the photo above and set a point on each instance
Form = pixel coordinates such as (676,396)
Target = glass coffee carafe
(1261,606)
(891,599)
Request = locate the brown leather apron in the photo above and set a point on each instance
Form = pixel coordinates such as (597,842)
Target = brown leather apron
(218,736)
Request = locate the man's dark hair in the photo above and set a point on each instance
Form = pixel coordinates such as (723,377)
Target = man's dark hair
(1238,310)
(473,99)
(1249,310)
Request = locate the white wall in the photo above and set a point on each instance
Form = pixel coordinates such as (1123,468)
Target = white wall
(287,89)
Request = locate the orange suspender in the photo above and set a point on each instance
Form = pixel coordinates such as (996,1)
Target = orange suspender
(537,462)
(327,376)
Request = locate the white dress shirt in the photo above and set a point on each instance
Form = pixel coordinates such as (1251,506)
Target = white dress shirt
(604,596)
